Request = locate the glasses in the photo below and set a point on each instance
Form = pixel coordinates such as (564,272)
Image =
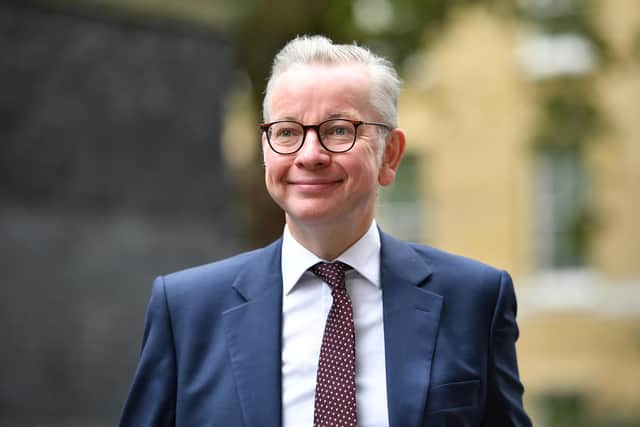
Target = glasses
(335,135)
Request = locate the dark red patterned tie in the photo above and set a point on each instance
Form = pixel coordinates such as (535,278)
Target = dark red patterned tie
(335,403)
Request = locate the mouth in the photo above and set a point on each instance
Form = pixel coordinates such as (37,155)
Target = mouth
(312,186)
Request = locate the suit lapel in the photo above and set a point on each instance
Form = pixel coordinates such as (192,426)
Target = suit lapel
(411,317)
(253,333)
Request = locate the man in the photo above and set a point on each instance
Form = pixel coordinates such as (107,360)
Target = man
(336,323)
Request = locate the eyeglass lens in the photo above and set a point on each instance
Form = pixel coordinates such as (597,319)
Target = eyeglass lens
(336,135)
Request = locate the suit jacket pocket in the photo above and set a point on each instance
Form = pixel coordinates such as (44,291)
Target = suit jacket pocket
(453,396)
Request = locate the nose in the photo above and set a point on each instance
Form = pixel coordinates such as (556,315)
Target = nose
(312,155)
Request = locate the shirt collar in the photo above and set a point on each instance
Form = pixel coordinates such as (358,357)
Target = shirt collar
(363,256)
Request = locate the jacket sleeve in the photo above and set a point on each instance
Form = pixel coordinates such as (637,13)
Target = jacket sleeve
(152,396)
(504,389)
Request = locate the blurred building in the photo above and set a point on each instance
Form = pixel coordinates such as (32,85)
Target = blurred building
(524,151)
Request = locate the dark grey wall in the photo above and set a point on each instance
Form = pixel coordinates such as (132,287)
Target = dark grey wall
(110,173)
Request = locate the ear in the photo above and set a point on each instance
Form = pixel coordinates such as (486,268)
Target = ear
(393,152)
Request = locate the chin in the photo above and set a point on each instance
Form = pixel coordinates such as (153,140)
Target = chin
(312,216)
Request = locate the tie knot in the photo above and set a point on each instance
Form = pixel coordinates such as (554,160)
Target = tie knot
(332,273)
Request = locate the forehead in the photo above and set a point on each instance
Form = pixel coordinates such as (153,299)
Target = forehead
(319,89)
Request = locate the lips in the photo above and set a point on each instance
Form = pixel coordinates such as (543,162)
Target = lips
(314,181)
(315,185)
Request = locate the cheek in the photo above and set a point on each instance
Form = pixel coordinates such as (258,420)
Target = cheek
(374,158)
(365,172)
(275,168)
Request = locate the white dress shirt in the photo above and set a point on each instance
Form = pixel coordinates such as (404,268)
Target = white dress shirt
(306,301)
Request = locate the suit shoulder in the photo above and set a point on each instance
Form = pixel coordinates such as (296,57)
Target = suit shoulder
(449,259)
(463,273)
(221,271)
(462,279)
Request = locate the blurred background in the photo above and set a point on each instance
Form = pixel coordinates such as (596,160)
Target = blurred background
(129,148)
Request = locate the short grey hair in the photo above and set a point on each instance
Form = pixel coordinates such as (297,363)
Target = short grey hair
(307,50)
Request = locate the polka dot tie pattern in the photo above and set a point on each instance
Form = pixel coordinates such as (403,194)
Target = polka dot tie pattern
(335,402)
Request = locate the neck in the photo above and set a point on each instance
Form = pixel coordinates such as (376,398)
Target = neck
(328,241)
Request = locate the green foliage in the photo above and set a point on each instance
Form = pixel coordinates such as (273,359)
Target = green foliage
(569,115)
(564,410)
(571,16)
(266,26)
(569,119)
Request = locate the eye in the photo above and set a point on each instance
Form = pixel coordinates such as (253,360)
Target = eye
(285,130)
(338,129)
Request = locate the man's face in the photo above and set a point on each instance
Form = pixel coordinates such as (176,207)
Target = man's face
(314,186)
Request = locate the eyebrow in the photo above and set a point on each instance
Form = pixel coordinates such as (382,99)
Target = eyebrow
(340,115)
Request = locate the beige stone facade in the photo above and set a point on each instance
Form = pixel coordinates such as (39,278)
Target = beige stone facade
(470,111)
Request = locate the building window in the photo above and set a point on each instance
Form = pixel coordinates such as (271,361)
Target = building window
(560,207)
(400,207)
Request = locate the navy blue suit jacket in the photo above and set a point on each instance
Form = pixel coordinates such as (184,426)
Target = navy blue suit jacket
(211,348)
